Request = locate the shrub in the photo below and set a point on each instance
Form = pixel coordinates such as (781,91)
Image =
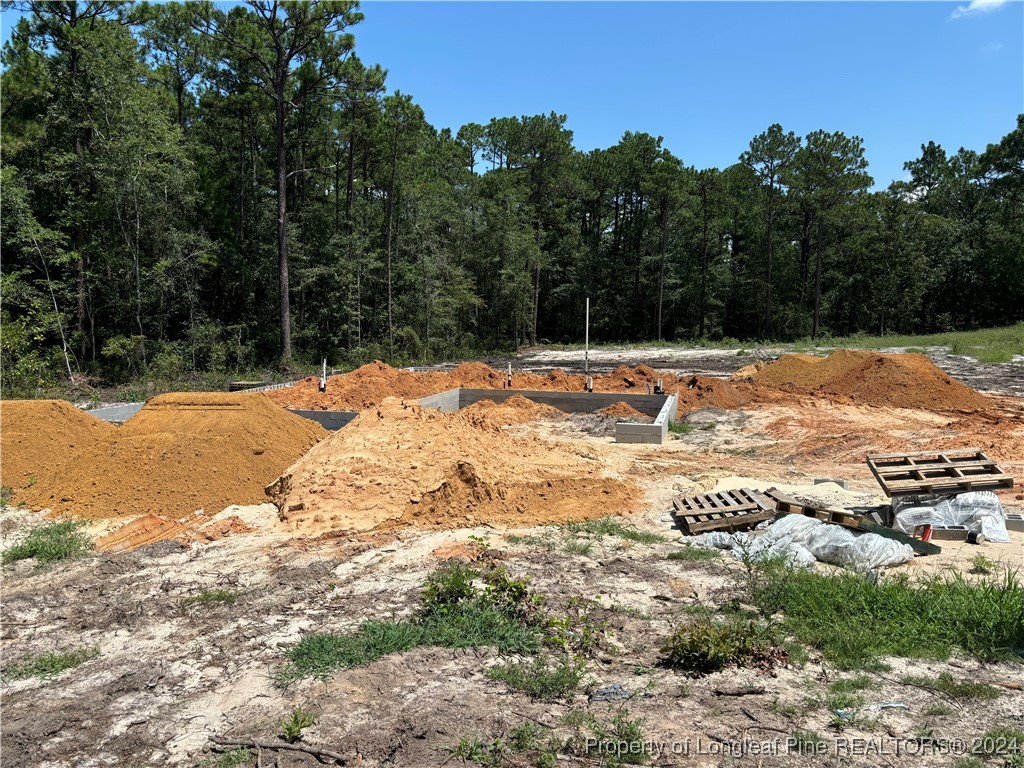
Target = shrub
(703,645)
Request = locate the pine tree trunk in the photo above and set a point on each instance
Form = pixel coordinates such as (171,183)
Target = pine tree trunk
(282,227)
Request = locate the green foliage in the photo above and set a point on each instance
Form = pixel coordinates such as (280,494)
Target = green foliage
(541,678)
(51,542)
(807,742)
(6,494)
(455,614)
(854,622)
(958,689)
(702,646)
(296,723)
(610,526)
(210,598)
(981,564)
(690,553)
(48,665)
(234,758)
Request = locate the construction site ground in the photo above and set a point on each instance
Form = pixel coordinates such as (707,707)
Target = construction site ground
(169,673)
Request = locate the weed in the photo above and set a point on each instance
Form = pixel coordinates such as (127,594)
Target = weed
(540,678)
(807,742)
(703,646)
(854,622)
(969,762)
(296,723)
(690,553)
(210,598)
(6,494)
(851,684)
(51,542)
(455,614)
(579,630)
(938,710)
(477,751)
(679,428)
(525,736)
(958,689)
(981,564)
(49,665)
(577,547)
(620,742)
(233,759)
(628,610)
(609,526)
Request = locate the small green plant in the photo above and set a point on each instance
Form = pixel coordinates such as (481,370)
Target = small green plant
(982,565)
(51,542)
(296,723)
(618,742)
(806,742)
(958,689)
(578,547)
(689,553)
(448,587)
(938,710)
(6,494)
(235,758)
(680,428)
(851,684)
(542,678)
(1002,741)
(609,526)
(579,630)
(49,665)
(210,598)
(703,645)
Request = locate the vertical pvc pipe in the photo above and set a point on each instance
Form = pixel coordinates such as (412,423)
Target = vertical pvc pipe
(586,342)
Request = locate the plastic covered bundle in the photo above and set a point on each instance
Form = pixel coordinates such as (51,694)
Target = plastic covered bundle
(978,511)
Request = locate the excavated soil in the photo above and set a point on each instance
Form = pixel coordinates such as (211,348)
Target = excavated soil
(873,378)
(37,436)
(623,411)
(401,465)
(516,410)
(366,387)
(180,453)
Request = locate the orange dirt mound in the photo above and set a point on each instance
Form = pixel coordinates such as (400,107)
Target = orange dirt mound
(698,392)
(516,410)
(37,436)
(401,465)
(624,411)
(874,378)
(181,452)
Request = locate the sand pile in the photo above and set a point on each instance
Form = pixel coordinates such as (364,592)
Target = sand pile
(37,436)
(362,388)
(516,410)
(624,412)
(180,453)
(401,465)
(874,378)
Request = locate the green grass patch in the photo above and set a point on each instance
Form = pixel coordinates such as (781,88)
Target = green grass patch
(541,678)
(989,345)
(851,684)
(689,553)
(456,613)
(49,665)
(958,689)
(51,542)
(854,622)
(609,526)
(210,598)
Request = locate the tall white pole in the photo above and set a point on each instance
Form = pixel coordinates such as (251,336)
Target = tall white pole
(586,342)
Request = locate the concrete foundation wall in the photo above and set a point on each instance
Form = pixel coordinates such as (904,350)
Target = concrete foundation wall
(446,402)
(117,414)
(656,433)
(570,402)
(332,420)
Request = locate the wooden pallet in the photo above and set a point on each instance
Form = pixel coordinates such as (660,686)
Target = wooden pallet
(789,506)
(724,511)
(949,472)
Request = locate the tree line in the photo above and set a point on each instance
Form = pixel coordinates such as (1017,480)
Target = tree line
(191,188)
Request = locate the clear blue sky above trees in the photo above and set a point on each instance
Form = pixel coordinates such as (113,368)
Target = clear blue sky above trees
(709,76)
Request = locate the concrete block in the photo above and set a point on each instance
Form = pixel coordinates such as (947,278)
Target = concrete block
(844,484)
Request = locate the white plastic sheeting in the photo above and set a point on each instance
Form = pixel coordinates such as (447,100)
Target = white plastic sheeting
(801,540)
(978,511)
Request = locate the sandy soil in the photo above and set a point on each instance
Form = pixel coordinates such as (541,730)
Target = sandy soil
(169,676)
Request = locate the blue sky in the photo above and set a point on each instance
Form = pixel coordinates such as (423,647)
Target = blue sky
(709,76)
